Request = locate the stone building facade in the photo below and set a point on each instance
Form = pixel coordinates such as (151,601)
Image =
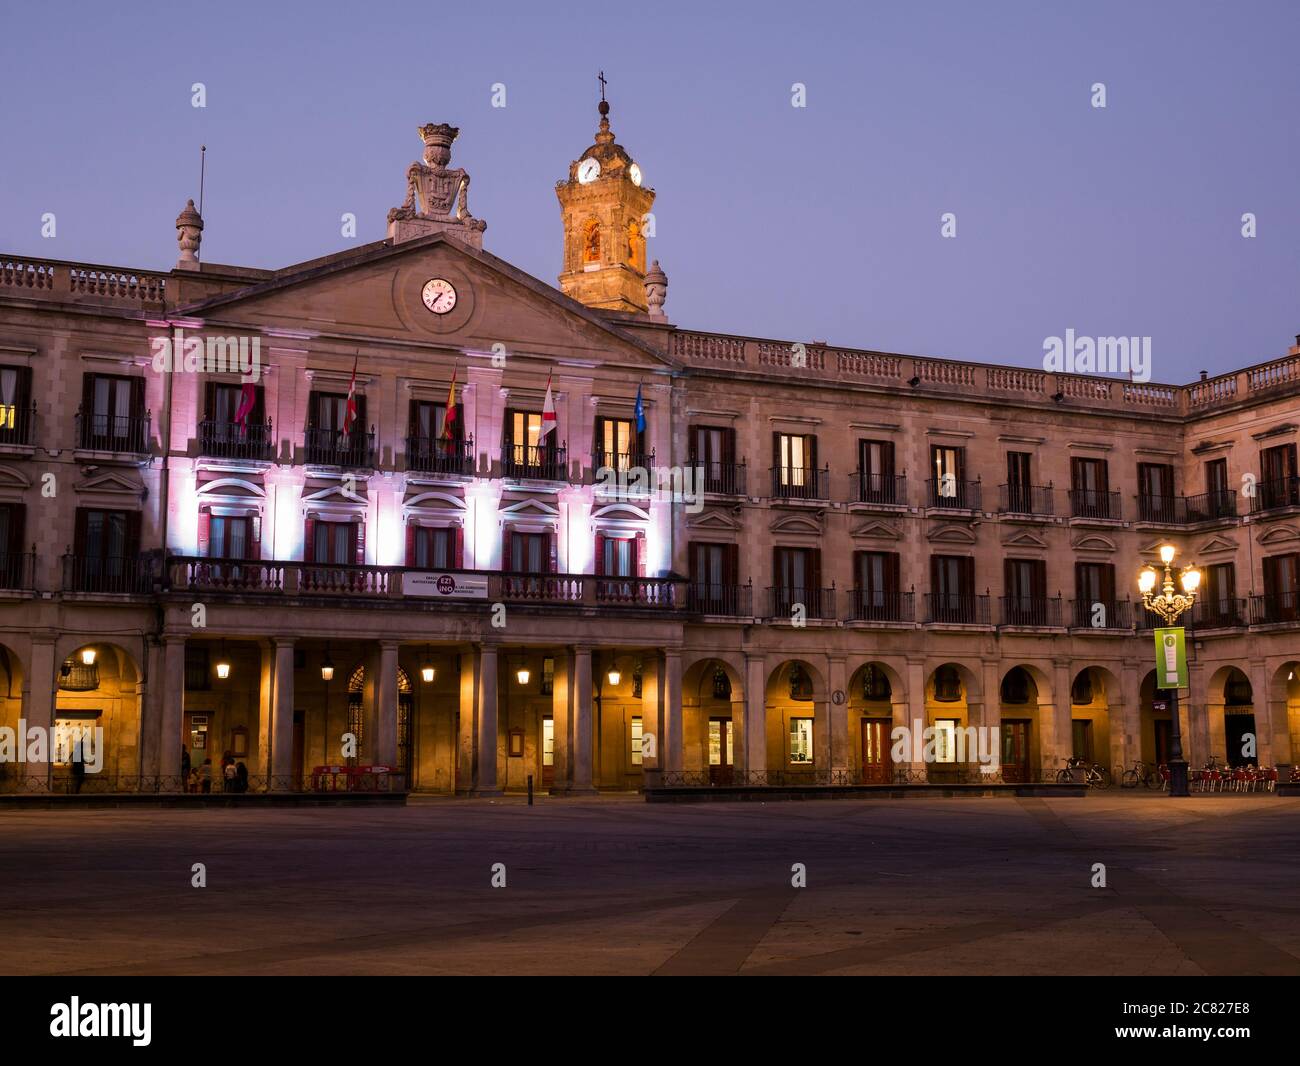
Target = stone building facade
(732,559)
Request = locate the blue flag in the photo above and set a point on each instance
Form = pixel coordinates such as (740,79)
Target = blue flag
(640,411)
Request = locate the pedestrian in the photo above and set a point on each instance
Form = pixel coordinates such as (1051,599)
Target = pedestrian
(241,777)
(78,766)
(185,766)
(229,776)
(205,776)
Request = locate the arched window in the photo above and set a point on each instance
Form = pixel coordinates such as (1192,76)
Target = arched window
(947,684)
(1015,686)
(1081,690)
(875,684)
(801,685)
(721,684)
(76,676)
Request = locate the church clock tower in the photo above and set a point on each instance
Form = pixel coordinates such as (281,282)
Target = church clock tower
(604,207)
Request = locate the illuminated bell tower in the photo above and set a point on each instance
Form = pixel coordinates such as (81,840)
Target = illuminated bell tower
(604,207)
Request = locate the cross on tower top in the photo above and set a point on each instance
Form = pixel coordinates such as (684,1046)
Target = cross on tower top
(601,78)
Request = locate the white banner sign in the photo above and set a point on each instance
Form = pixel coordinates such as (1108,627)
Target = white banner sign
(445,586)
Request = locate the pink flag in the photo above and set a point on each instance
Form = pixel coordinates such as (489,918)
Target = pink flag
(548,413)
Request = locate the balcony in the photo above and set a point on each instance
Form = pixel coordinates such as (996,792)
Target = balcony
(653,592)
(18,571)
(1031,612)
(874,605)
(120,575)
(957,608)
(784,601)
(953,495)
(18,426)
(1101,614)
(720,479)
(887,490)
(535,463)
(1275,608)
(1185,510)
(731,601)
(1037,500)
(332,447)
(123,434)
(800,483)
(436,455)
(621,461)
(1222,613)
(1095,505)
(1277,494)
(228,440)
(627,474)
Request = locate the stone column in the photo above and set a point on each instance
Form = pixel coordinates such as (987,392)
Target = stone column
(674,755)
(838,713)
(580,714)
(1272,739)
(464,767)
(170,740)
(561,721)
(991,712)
(916,722)
(39,699)
(282,768)
(1129,719)
(385,742)
(755,720)
(485,762)
(1061,737)
(265,708)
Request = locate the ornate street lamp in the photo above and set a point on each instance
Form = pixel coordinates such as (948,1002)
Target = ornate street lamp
(1169,605)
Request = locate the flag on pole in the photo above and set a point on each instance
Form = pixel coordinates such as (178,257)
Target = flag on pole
(350,411)
(452,415)
(640,410)
(247,401)
(548,413)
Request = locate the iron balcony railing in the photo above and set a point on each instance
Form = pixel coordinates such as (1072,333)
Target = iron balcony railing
(437,455)
(1228,612)
(886,489)
(1101,614)
(719,478)
(1034,611)
(125,434)
(876,605)
(18,425)
(957,608)
(1276,494)
(1026,499)
(800,483)
(229,440)
(621,461)
(333,447)
(1221,503)
(1094,503)
(537,462)
(733,601)
(109,574)
(18,570)
(785,602)
(1272,608)
(952,494)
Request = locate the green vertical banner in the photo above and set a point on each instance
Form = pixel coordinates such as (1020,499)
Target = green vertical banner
(1171,658)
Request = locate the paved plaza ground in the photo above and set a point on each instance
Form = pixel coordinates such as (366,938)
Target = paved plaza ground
(1206,885)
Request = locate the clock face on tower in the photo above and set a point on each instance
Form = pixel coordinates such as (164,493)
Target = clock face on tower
(439,295)
(634,172)
(588,171)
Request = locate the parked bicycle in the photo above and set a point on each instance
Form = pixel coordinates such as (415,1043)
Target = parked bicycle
(1144,774)
(1094,774)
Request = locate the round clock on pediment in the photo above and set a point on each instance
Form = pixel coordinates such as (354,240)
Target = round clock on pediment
(439,295)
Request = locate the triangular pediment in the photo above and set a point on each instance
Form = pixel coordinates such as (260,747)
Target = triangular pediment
(877,530)
(110,481)
(951,534)
(1025,538)
(376,291)
(798,522)
(713,519)
(1217,544)
(1092,542)
(1284,534)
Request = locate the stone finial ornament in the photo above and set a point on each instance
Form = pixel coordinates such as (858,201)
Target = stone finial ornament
(437,196)
(189,235)
(656,290)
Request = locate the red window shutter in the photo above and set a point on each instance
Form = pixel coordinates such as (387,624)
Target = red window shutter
(505,549)
(600,555)
(811,450)
(776,449)
(359,532)
(255,537)
(1108,582)
(728,446)
(815,569)
(640,553)
(205,534)
(410,542)
(309,541)
(459,557)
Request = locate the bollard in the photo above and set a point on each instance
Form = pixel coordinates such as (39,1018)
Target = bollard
(530,790)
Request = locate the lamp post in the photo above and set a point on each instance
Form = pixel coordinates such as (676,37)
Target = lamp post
(1169,605)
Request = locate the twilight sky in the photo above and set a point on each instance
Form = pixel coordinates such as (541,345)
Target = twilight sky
(808,223)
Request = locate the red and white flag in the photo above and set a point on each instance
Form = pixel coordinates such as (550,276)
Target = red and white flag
(350,411)
(548,413)
(247,401)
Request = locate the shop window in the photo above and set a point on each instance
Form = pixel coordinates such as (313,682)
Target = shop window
(801,741)
(636,740)
(945,740)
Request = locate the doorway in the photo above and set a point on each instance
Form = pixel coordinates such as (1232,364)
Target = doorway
(1015,751)
(1236,727)
(548,751)
(877,760)
(721,751)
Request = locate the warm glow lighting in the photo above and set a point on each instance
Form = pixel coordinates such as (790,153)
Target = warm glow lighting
(426,672)
(1146,580)
(88,656)
(223,670)
(1191,580)
(327,668)
(522,675)
(1166,553)
(614,677)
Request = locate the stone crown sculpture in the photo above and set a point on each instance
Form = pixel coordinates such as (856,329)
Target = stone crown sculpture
(437,196)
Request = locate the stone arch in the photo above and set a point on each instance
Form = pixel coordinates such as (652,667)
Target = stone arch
(797,721)
(12,676)
(106,694)
(589,251)
(1283,713)
(1096,699)
(877,702)
(1025,709)
(953,701)
(1229,725)
(713,719)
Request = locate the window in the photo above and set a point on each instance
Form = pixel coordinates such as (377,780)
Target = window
(714,449)
(1216,477)
(948,477)
(947,684)
(198,676)
(875,684)
(13,549)
(73,729)
(15,404)
(432,548)
(722,742)
(326,441)
(876,482)
(429,422)
(1090,489)
(1237,692)
(528,553)
(1020,496)
(636,740)
(527,455)
(801,741)
(1026,592)
(801,683)
(794,460)
(952,586)
(106,550)
(797,575)
(1282,587)
(1219,598)
(334,543)
(721,684)
(945,740)
(713,577)
(548,741)
(618,444)
(548,676)
(877,592)
(228,537)
(112,413)
(618,557)
(428,448)
(1156,492)
(1279,485)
